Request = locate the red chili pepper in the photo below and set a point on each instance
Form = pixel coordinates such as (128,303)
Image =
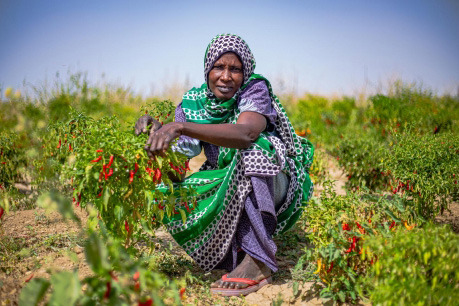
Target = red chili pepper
(187,207)
(110,162)
(187,165)
(346,227)
(110,173)
(126,226)
(98,159)
(136,168)
(182,292)
(99,195)
(136,276)
(29,278)
(4,163)
(70,147)
(149,170)
(2,211)
(59,145)
(137,286)
(331,267)
(157,177)
(99,151)
(108,290)
(392,225)
(131,176)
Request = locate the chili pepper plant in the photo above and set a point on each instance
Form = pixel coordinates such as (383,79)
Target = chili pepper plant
(106,165)
(425,168)
(13,160)
(360,157)
(418,267)
(338,227)
(117,277)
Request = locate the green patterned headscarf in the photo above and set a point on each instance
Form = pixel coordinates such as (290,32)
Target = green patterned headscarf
(200,104)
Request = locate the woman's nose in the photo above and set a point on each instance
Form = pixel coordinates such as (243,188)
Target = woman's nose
(226,75)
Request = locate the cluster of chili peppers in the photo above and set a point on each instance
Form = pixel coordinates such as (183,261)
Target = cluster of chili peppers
(79,199)
(133,172)
(181,169)
(107,171)
(406,186)
(156,174)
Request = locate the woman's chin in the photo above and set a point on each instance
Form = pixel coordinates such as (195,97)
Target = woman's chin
(224,96)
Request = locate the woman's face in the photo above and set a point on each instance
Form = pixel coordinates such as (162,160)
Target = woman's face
(226,76)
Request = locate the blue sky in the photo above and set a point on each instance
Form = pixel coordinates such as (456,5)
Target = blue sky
(314,46)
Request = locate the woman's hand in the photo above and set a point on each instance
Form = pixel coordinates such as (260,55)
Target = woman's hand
(141,126)
(159,140)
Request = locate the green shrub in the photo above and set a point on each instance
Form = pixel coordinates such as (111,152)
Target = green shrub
(360,157)
(117,277)
(319,169)
(339,225)
(426,169)
(420,267)
(12,159)
(408,103)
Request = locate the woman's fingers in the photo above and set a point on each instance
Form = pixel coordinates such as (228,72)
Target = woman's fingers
(159,140)
(155,126)
(141,126)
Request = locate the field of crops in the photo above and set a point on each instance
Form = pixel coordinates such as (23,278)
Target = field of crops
(81,218)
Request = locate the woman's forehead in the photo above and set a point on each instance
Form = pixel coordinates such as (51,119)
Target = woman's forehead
(230,58)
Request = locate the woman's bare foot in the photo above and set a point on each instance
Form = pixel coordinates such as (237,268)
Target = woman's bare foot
(250,268)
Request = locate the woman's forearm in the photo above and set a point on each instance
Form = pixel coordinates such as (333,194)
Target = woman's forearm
(239,135)
(228,135)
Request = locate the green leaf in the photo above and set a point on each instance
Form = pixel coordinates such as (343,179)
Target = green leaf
(33,292)
(118,211)
(66,288)
(96,254)
(392,215)
(106,197)
(342,296)
(295,288)
(183,214)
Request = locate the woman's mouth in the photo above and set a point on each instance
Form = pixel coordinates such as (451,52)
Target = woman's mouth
(224,89)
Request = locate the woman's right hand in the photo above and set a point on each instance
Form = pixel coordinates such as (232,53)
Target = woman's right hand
(141,126)
(159,140)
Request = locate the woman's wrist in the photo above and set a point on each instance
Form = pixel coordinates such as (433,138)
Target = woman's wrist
(181,128)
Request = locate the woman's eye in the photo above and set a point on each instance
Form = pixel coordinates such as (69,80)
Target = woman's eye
(236,69)
(218,67)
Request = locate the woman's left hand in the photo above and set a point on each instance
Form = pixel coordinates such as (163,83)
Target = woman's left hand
(158,141)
